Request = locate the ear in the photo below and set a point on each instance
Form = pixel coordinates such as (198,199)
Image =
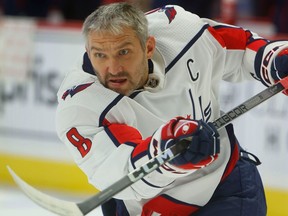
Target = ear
(150,46)
(87,51)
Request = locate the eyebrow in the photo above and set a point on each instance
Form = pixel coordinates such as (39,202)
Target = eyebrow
(127,43)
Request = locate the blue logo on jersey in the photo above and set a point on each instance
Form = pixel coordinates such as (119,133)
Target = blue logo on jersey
(170,13)
(75,89)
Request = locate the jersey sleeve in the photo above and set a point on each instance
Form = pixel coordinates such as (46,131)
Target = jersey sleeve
(241,47)
(247,52)
(177,30)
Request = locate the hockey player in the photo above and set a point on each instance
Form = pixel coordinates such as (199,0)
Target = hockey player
(148,81)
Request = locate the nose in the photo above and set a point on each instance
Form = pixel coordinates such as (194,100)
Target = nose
(114,66)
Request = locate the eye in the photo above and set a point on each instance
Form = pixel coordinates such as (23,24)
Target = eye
(123,52)
(99,55)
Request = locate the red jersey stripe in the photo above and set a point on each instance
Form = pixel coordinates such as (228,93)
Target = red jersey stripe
(124,133)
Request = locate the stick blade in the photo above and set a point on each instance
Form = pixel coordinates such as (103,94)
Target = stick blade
(58,206)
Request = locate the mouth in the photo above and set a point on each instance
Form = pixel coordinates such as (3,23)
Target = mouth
(117,82)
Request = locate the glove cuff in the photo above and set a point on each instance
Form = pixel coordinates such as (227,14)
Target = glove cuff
(267,55)
(169,170)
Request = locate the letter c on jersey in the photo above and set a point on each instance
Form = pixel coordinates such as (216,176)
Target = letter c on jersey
(194,77)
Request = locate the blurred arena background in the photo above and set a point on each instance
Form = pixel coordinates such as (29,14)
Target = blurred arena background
(41,40)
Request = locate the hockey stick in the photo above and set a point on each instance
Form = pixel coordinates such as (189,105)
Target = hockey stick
(62,207)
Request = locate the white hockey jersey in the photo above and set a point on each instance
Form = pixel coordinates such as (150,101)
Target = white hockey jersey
(103,129)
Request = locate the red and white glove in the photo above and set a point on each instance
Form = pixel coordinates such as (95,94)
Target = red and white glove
(202,150)
(271,62)
(279,67)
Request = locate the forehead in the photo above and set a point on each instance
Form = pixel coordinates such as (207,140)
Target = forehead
(102,38)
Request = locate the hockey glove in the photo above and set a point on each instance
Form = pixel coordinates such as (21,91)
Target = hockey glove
(204,142)
(279,67)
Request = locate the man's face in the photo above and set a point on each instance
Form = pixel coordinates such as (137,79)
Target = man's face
(119,61)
